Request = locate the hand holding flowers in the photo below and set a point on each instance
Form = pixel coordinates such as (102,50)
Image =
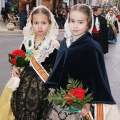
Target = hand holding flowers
(18,59)
(73,99)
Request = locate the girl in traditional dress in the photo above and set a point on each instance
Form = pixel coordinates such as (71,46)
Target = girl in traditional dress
(82,58)
(27,102)
(112,31)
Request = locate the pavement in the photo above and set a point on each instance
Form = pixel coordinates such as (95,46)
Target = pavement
(3,29)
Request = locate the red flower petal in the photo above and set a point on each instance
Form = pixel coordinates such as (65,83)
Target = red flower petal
(68,98)
(16,53)
(78,92)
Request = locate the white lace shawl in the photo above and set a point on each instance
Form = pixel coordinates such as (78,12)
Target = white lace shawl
(112,18)
(46,47)
(48,44)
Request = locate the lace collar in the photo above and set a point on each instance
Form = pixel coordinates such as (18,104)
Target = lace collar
(46,47)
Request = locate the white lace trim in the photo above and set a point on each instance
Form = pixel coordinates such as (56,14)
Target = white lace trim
(45,49)
(48,44)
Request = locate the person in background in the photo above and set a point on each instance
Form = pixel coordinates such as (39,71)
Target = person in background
(27,101)
(103,12)
(66,7)
(12,8)
(7,7)
(23,12)
(112,29)
(100,31)
(65,14)
(4,14)
(58,18)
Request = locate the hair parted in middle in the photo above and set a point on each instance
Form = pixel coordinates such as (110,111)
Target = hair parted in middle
(85,9)
(43,11)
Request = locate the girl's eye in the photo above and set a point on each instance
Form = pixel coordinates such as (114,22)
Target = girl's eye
(35,23)
(72,21)
(81,22)
(43,22)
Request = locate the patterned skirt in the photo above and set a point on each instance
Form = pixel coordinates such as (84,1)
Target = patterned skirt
(27,101)
(111,35)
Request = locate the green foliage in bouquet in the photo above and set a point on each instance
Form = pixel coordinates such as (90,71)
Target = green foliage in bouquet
(21,62)
(73,96)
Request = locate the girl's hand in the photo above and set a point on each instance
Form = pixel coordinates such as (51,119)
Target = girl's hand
(51,90)
(15,72)
(85,110)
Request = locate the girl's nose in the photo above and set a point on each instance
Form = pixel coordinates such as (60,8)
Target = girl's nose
(75,25)
(40,25)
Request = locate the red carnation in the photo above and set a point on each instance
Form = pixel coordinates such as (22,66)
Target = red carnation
(69,98)
(15,54)
(78,92)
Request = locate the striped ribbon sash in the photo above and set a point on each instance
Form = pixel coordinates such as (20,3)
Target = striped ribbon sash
(42,73)
(99,111)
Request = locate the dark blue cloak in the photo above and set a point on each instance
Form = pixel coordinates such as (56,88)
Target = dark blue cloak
(83,60)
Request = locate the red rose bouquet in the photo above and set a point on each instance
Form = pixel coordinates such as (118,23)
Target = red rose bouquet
(73,99)
(18,58)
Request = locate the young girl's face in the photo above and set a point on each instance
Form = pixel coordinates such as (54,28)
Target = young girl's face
(111,13)
(41,24)
(78,24)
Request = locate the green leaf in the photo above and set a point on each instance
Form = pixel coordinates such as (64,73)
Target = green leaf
(21,62)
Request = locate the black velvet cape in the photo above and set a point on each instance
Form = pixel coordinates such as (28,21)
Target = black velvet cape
(83,60)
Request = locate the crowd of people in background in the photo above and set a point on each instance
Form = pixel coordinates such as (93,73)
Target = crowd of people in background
(9,9)
(105,27)
(61,15)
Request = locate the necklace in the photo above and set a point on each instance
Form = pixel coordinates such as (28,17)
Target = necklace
(37,43)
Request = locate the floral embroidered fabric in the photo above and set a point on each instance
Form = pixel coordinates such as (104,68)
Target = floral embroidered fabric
(27,102)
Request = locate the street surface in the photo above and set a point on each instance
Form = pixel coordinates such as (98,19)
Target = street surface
(9,42)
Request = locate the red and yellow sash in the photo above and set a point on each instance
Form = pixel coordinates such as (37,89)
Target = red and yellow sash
(42,73)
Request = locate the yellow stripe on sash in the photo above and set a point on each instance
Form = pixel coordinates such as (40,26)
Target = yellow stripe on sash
(99,112)
(39,68)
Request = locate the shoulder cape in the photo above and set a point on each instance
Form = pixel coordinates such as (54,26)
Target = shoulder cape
(83,60)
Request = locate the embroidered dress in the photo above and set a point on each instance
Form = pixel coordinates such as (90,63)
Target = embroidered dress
(27,102)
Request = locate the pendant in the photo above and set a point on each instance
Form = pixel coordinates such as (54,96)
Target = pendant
(29,43)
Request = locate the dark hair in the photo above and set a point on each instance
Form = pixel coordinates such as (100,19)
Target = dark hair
(83,9)
(95,8)
(111,10)
(3,8)
(43,11)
